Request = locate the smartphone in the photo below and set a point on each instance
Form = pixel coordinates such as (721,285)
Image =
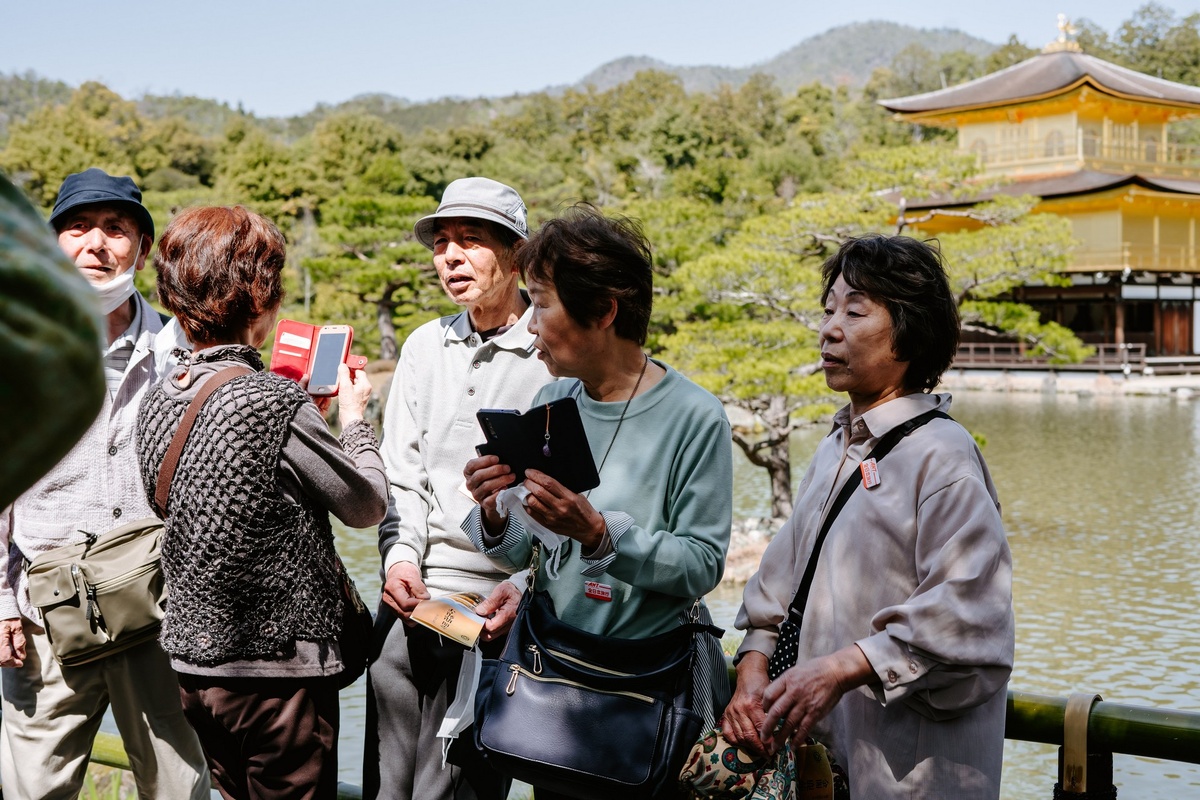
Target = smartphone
(330,351)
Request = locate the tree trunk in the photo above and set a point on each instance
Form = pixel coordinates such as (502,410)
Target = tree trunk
(773,454)
(779,456)
(388,350)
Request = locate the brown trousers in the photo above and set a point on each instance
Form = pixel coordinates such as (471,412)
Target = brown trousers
(266,738)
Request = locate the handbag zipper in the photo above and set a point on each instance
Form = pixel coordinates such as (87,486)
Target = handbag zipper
(128,577)
(537,659)
(582,663)
(517,669)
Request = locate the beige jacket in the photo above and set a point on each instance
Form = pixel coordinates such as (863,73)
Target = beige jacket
(917,572)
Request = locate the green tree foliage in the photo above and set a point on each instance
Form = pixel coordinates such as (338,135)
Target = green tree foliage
(750,336)
(1153,40)
(371,270)
(96,128)
(274,179)
(1012,52)
(21,95)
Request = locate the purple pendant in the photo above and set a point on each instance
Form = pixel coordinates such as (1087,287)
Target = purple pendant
(546,450)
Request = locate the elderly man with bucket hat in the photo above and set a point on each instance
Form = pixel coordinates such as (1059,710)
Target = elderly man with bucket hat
(449,368)
(51,711)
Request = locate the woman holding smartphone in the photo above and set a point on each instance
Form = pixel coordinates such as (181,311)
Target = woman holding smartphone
(248,553)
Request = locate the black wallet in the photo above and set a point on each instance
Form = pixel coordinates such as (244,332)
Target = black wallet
(548,437)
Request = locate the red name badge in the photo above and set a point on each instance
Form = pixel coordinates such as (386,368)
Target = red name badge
(597,591)
(870,473)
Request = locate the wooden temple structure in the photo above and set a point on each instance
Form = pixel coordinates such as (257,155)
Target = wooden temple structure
(1092,141)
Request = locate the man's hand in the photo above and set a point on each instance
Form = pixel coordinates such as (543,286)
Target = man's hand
(404,588)
(500,607)
(12,643)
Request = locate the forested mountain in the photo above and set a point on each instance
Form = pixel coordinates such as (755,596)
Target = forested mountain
(842,56)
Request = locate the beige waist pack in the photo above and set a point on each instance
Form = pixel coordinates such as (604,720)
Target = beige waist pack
(103,595)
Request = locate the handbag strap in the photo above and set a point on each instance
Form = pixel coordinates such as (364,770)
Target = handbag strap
(881,449)
(166,472)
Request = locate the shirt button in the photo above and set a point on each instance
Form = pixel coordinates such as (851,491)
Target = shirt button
(116,513)
(471,391)
(892,676)
(477,364)
(112,451)
(912,668)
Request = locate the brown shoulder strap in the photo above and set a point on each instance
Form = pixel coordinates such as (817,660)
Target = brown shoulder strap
(166,472)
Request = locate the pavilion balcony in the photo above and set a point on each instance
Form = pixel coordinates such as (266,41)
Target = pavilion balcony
(1137,258)
(1099,152)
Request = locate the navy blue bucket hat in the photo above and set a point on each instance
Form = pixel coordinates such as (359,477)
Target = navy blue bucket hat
(96,187)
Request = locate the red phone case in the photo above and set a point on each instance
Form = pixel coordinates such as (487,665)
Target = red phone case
(293,349)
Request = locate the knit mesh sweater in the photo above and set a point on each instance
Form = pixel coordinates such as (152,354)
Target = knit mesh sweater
(249,572)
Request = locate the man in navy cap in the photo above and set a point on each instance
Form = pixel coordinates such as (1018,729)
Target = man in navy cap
(449,368)
(52,712)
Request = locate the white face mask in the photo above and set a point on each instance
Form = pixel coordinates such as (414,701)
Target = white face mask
(115,292)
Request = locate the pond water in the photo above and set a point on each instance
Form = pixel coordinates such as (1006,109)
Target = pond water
(1099,500)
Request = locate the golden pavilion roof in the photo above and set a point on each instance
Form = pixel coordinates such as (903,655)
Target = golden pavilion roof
(1044,76)
(1075,183)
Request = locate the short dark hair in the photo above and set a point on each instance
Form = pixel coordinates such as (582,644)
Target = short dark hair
(219,269)
(592,260)
(909,278)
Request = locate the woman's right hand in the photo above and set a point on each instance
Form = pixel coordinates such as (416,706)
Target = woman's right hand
(353,394)
(744,715)
(486,478)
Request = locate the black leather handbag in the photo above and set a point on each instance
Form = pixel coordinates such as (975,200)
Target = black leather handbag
(594,717)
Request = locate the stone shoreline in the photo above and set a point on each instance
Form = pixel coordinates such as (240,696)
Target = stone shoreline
(746,544)
(1183,387)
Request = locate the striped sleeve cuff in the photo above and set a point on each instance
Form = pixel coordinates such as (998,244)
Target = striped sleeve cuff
(618,524)
(472,526)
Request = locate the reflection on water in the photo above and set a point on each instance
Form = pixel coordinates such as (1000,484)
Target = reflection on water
(1100,504)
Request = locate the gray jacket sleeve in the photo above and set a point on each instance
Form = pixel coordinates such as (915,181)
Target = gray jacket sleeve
(346,477)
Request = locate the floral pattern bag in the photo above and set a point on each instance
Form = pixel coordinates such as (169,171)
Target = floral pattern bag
(718,770)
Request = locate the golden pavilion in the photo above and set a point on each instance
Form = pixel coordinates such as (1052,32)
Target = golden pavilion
(1092,140)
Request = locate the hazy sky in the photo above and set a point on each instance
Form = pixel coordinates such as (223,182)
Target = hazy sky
(282,58)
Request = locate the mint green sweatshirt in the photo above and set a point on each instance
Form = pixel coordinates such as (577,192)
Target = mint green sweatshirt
(666,493)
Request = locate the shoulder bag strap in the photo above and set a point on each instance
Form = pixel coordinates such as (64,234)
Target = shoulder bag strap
(166,472)
(881,449)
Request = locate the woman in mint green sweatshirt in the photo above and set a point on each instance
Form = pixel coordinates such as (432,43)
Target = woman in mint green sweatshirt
(653,536)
